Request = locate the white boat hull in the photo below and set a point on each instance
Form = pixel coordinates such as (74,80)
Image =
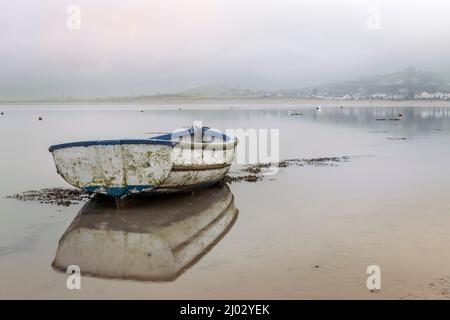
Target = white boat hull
(119,168)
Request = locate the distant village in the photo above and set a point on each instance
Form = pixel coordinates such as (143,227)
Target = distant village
(375,96)
(407,84)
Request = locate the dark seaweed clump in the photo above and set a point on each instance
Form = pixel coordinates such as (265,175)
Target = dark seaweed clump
(255,172)
(55,196)
(317,162)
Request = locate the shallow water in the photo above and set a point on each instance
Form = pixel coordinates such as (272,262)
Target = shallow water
(307,232)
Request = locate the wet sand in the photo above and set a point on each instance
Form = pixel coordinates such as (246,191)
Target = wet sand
(309,232)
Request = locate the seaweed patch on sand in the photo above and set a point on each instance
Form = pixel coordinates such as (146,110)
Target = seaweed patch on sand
(54,196)
(317,162)
(255,172)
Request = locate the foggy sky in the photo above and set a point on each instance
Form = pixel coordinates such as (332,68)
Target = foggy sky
(147,46)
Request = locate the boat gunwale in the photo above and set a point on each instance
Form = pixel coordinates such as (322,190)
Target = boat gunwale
(193,145)
(166,139)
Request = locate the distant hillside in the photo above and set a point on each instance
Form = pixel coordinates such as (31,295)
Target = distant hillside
(216,92)
(402,85)
(405,84)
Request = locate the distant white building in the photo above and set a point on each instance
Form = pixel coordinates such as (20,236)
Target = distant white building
(440,95)
(424,95)
(380,96)
(436,96)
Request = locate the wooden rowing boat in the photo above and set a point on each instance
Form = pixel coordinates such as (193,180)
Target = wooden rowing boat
(184,159)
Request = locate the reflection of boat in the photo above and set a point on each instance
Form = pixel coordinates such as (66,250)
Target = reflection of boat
(154,238)
(186,158)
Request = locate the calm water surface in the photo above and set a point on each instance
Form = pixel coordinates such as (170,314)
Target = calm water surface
(308,232)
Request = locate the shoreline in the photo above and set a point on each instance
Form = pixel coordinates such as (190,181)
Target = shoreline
(238,103)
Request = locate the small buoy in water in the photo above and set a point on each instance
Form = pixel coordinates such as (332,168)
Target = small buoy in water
(141,110)
(318,107)
(1,113)
(40,118)
(342,107)
(400,114)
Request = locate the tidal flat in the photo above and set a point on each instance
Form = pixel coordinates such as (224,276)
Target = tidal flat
(351,191)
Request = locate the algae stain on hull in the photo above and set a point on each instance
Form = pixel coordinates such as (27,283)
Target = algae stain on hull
(118,170)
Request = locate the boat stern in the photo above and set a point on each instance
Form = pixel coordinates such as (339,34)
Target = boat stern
(115,169)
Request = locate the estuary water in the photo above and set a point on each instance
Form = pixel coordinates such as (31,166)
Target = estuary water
(308,231)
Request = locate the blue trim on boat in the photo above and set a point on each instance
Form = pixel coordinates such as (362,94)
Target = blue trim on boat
(166,139)
(110,143)
(118,191)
